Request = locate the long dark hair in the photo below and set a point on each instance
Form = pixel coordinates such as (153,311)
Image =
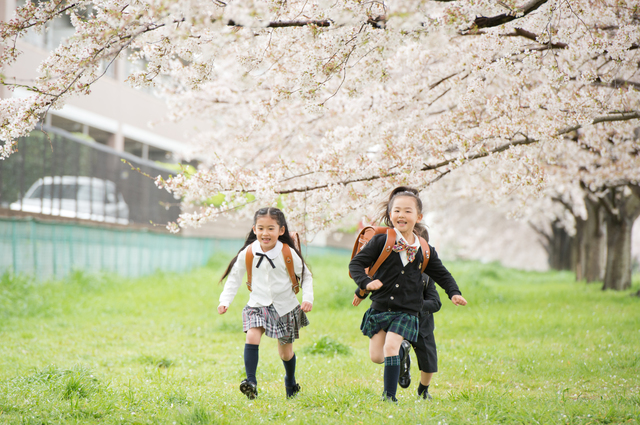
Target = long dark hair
(278,216)
(384,216)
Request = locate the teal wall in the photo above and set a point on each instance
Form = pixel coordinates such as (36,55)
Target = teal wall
(51,250)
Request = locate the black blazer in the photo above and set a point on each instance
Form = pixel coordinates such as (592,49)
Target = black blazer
(402,286)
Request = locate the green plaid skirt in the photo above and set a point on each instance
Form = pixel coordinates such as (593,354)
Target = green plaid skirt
(397,322)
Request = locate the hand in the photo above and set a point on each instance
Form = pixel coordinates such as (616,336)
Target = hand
(222,309)
(458,300)
(356,300)
(373,285)
(306,306)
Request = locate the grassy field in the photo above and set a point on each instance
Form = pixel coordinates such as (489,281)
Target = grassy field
(529,348)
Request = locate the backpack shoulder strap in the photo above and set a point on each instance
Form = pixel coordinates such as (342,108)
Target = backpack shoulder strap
(296,240)
(361,240)
(388,245)
(288,261)
(426,253)
(363,237)
(248,261)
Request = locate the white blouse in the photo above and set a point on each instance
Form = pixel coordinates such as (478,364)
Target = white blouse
(269,285)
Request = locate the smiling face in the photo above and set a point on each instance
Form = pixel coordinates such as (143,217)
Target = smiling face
(267,230)
(404,215)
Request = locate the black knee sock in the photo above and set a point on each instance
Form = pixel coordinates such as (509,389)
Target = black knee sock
(251,355)
(290,371)
(401,352)
(391,375)
(422,389)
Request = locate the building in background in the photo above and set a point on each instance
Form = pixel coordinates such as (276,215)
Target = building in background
(114,114)
(101,138)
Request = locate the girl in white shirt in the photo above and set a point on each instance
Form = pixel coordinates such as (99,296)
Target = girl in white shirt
(273,308)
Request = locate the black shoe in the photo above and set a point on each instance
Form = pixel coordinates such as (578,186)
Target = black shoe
(404,380)
(389,398)
(292,391)
(249,389)
(425,395)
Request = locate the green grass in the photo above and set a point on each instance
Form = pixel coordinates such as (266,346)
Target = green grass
(529,348)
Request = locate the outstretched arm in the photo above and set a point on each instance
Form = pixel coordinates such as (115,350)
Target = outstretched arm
(234,280)
(458,300)
(442,277)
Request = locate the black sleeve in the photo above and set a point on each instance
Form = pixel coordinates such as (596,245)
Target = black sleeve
(438,272)
(366,258)
(431,303)
(361,293)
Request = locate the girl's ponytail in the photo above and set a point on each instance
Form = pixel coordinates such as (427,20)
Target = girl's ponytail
(251,237)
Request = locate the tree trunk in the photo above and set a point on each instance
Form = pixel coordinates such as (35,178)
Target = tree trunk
(622,208)
(580,248)
(590,244)
(595,246)
(559,247)
(618,272)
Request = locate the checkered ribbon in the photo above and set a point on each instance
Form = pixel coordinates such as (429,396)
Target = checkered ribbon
(402,246)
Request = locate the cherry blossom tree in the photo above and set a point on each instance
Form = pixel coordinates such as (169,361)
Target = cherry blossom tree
(323,106)
(587,209)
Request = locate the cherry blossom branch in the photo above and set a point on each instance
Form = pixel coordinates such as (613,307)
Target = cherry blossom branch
(519,32)
(495,21)
(560,200)
(483,154)
(287,24)
(546,237)
(26,23)
(27,17)
(620,116)
(617,83)
(426,167)
(375,21)
(343,64)
(607,200)
(379,21)
(587,147)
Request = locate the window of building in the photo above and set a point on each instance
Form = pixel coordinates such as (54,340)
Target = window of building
(83,131)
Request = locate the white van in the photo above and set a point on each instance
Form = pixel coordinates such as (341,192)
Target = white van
(83,197)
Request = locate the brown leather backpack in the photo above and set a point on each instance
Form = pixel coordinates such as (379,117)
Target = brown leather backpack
(369,232)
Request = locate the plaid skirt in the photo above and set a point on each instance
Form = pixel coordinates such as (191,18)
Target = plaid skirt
(397,322)
(285,328)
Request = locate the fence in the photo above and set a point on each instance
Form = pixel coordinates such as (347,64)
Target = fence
(60,175)
(56,173)
(51,250)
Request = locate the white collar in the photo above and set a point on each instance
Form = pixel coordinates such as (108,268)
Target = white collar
(399,237)
(272,253)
